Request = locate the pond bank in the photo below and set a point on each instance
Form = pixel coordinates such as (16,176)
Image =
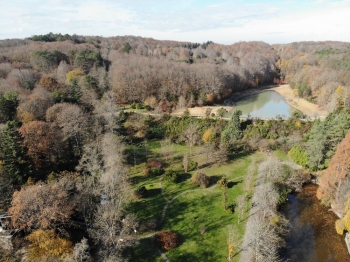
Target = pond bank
(311,110)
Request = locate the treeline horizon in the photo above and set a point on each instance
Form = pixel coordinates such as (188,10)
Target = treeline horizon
(169,74)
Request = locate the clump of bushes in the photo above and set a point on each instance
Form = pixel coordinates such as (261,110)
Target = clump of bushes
(136,105)
(299,155)
(171,176)
(200,179)
(156,171)
(153,168)
(188,164)
(222,183)
(152,163)
(166,240)
(192,165)
(141,192)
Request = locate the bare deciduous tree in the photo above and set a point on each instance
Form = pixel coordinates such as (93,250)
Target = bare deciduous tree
(241,205)
(190,136)
(167,148)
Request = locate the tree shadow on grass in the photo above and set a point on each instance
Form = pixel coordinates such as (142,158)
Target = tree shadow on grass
(208,164)
(206,255)
(238,155)
(153,192)
(144,251)
(144,179)
(183,177)
(215,179)
(231,184)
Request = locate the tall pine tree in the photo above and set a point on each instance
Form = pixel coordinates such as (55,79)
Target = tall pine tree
(233,129)
(8,106)
(13,153)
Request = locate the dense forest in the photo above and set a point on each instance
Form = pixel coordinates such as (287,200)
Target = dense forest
(68,147)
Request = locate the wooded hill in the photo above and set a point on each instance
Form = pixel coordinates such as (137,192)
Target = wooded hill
(146,70)
(62,129)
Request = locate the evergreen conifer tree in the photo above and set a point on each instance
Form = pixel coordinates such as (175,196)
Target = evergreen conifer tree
(13,154)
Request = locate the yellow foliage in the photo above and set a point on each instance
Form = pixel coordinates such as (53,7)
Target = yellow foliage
(274,220)
(297,123)
(340,96)
(230,251)
(30,181)
(150,101)
(25,116)
(73,74)
(47,243)
(295,92)
(346,220)
(207,135)
(339,89)
(347,205)
(339,226)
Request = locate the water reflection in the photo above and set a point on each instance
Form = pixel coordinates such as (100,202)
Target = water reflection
(268,104)
(312,236)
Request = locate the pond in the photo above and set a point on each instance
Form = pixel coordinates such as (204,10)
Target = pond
(267,104)
(312,236)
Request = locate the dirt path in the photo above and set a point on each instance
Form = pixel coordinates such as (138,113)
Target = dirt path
(311,110)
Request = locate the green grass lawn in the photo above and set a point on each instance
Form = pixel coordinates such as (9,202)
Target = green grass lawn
(197,215)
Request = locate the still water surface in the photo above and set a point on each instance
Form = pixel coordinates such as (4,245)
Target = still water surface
(268,104)
(312,237)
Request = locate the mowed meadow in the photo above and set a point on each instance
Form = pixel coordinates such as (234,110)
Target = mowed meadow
(195,213)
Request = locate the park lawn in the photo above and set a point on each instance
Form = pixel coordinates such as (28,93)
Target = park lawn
(197,215)
(199,218)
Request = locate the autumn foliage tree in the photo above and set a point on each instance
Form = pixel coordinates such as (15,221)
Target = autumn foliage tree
(336,172)
(38,138)
(167,240)
(46,245)
(41,207)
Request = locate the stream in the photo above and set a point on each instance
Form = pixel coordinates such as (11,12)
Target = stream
(312,236)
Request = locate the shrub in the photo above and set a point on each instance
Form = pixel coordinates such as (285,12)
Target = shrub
(141,192)
(222,182)
(146,171)
(299,156)
(152,163)
(136,105)
(192,165)
(156,171)
(171,176)
(200,179)
(166,240)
